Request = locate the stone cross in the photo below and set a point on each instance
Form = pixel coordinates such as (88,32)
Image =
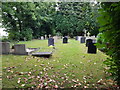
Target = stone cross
(88,34)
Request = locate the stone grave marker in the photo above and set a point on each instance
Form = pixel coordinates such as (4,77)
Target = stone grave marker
(82,39)
(65,39)
(45,36)
(88,41)
(20,49)
(92,48)
(76,38)
(5,47)
(42,54)
(42,38)
(51,41)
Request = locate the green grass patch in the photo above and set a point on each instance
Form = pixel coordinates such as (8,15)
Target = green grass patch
(69,66)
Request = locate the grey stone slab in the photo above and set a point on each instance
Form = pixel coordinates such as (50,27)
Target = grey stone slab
(42,54)
(5,47)
(20,49)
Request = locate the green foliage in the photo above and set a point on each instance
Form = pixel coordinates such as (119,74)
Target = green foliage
(43,18)
(109,21)
(73,17)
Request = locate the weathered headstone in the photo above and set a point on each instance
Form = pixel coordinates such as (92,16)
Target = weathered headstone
(65,39)
(5,47)
(88,41)
(76,38)
(51,41)
(20,49)
(79,38)
(92,48)
(55,38)
(45,36)
(82,39)
(42,38)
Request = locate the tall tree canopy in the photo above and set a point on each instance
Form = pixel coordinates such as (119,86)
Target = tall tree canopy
(27,20)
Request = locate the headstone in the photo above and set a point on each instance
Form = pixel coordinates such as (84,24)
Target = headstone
(92,48)
(42,54)
(55,38)
(65,39)
(45,36)
(42,38)
(79,38)
(82,39)
(76,38)
(88,41)
(20,49)
(5,47)
(51,41)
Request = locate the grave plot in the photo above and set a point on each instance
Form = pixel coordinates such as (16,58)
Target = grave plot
(20,49)
(42,54)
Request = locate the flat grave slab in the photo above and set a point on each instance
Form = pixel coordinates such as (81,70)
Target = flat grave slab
(42,54)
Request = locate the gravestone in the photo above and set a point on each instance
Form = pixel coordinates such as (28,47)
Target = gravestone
(50,41)
(45,36)
(20,49)
(42,38)
(65,39)
(55,38)
(5,47)
(82,40)
(88,41)
(76,38)
(92,48)
(42,54)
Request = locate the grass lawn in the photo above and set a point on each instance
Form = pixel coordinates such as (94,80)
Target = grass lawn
(69,66)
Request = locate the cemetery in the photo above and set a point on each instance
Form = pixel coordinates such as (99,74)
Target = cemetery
(60,45)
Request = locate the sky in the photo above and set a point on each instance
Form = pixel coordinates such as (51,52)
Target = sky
(3,33)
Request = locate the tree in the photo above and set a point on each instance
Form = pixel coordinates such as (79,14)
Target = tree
(73,17)
(110,28)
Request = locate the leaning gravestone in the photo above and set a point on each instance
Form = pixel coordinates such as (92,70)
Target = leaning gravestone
(82,39)
(51,41)
(88,41)
(20,49)
(92,48)
(5,47)
(65,40)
